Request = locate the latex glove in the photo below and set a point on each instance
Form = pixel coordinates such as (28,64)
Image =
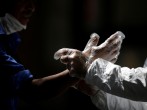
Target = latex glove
(93,41)
(70,57)
(109,50)
(76,63)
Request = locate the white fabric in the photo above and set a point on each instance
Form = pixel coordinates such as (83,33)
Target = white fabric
(118,103)
(120,81)
(10,24)
(145,63)
(106,101)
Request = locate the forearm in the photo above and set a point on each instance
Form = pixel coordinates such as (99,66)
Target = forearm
(51,86)
(54,85)
(124,82)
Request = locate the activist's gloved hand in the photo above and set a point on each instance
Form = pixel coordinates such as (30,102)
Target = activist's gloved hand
(78,61)
(93,41)
(90,48)
(108,50)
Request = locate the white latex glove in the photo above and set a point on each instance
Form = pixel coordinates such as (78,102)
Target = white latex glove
(109,50)
(93,41)
(66,55)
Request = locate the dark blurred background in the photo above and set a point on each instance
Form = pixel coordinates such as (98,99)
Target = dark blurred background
(69,23)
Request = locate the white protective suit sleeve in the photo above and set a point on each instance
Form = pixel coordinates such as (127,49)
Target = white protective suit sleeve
(106,101)
(118,103)
(117,80)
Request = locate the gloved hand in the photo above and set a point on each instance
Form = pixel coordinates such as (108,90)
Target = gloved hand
(66,55)
(109,50)
(75,62)
(93,41)
(98,97)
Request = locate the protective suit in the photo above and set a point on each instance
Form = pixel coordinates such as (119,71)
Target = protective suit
(117,80)
(106,101)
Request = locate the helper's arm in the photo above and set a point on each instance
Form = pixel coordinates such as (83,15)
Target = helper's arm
(117,80)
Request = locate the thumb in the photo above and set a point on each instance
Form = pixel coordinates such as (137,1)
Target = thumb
(93,41)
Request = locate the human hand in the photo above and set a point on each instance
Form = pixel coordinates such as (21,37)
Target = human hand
(108,50)
(75,61)
(93,41)
(70,57)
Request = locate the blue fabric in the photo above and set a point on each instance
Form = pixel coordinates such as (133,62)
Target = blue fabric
(12,73)
(1,30)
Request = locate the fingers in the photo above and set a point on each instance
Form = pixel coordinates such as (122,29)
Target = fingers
(72,56)
(93,41)
(113,43)
(117,35)
(114,38)
(64,59)
(62,52)
(74,60)
(121,34)
(115,47)
(109,50)
(76,64)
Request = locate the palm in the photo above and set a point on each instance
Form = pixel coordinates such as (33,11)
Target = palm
(109,50)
